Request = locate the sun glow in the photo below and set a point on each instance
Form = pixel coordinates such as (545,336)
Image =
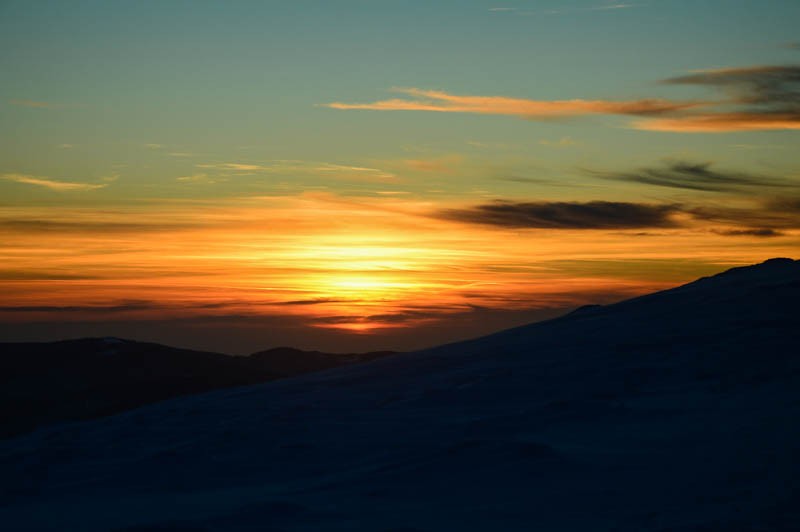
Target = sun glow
(378,265)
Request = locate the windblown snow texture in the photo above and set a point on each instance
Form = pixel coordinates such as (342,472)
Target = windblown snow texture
(671,412)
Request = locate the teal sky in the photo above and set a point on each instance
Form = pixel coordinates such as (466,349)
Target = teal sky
(243,80)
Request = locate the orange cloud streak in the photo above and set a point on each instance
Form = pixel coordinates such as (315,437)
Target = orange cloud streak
(721,123)
(52,184)
(763,98)
(440,101)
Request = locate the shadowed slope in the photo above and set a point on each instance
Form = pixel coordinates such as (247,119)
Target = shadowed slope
(42,383)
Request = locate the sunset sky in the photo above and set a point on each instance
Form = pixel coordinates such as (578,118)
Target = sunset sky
(352,175)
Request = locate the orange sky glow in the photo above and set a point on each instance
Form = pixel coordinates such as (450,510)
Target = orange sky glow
(359,265)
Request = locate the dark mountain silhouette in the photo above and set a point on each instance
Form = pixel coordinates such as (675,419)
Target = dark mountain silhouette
(42,383)
(675,412)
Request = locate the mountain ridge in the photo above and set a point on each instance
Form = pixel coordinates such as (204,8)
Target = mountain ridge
(48,382)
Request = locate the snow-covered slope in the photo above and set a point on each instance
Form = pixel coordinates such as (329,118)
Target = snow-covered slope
(671,412)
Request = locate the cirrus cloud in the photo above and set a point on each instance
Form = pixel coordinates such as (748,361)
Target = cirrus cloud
(763,98)
(699,176)
(61,186)
(756,98)
(444,102)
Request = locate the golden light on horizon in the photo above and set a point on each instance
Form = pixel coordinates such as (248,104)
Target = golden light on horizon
(383,264)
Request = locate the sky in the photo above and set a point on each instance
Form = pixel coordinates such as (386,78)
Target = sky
(351,175)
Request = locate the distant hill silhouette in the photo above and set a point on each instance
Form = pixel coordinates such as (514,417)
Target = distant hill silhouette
(676,411)
(42,383)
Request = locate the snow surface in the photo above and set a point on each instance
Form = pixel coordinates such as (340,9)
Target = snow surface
(671,412)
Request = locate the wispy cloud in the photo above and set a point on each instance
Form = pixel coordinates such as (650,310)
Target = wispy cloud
(613,6)
(697,176)
(440,165)
(754,98)
(199,179)
(766,213)
(563,142)
(238,167)
(566,10)
(353,170)
(493,145)
(721,123)
(62,186)
(312,168)
(763,98)
(440,101)
(314,301)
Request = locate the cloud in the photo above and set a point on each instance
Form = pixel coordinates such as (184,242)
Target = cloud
(235,167)
(722,123)
(767,85)
(62,186)
(763,218)
(154,146)
(567,215)
(357,171)
(440,165)
(241,167)
(562,10)
(311,168)
(753,98)
(612,6)
(316,301)
(440,101)
(197,178)
(126,306)
(695,176)
(563,142)
(29,275)
(767,213)
(29,226)
(763,233)
(406,317)
(763,98)
(787,205)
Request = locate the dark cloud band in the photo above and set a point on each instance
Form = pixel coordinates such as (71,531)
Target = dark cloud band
(695,176)
(567,215)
